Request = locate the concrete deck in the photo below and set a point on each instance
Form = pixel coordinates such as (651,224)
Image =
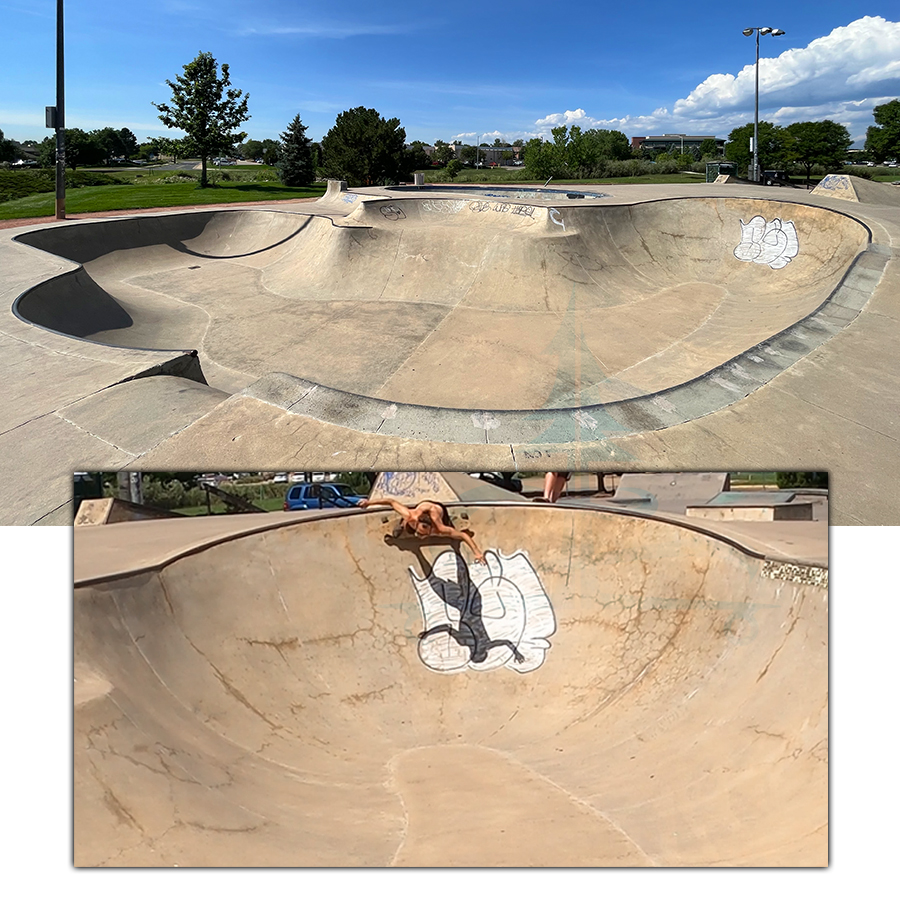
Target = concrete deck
(248,697)
(406,331)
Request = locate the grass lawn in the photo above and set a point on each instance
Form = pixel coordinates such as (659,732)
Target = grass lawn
(753,478)
(271,504)
(139,196)
(516,177)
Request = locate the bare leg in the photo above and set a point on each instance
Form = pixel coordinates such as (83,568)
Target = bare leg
(554,482)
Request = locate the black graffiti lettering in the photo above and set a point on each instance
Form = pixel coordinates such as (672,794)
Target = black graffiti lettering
(393,212)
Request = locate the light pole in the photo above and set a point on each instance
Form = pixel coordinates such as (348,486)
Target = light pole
(747,32)
(682,136)
(56,116)
(478,147)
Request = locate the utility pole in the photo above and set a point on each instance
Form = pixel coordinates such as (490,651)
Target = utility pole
(60,118)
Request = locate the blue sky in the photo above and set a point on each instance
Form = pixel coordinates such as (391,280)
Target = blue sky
(458,70)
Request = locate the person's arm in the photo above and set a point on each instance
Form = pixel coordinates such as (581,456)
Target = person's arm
(399,508)
(462,536)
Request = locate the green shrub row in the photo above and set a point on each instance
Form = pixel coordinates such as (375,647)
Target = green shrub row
(17,184)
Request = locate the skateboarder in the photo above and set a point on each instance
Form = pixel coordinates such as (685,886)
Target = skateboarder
(426,519)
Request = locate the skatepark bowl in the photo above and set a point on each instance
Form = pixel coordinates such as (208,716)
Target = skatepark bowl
(611,689)
(423,316)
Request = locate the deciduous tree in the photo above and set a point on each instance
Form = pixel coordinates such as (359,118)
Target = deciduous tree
(443,152)
(8,150)
(771,151)
(82,149)
(817,144)
(206,108)
(709,149)
(883,138)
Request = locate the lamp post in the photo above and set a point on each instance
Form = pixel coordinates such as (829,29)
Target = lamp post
(747,32)
(56,116)
(682,136)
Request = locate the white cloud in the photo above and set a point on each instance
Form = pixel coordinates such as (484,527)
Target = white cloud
(840,76)
(570,117)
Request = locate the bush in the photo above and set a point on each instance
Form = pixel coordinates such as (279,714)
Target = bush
(802,479)
(17,184)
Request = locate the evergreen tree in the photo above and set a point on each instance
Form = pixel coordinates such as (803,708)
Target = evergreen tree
(295,163)
(362,148)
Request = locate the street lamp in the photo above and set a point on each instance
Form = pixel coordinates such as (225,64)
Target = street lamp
(682,136)
(56,116)
(747,32)
(478,147)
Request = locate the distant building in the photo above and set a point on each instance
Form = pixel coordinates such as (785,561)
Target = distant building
(672,143)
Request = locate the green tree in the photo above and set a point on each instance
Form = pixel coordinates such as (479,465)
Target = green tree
(610,144)
(454,167)
(251,150)
(176,148)
(363,148)
(206,108)
(295,164)
(8,150)
(709,149)
(129,143)
(46,151)
(443,152)
(113,142)
(82,149)
(538,157)
(883,138)
(574,153)
(817,144)
(417,157)
(271,151)
(771,153)
(466,154)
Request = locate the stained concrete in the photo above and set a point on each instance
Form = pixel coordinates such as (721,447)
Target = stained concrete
(620,332)
(252,695)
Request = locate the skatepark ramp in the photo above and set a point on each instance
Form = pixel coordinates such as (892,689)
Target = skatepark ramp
(579,305)
(610,689)
(858,190)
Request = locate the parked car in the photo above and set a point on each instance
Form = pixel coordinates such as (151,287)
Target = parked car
(776,177)
(321,495)
(505,480)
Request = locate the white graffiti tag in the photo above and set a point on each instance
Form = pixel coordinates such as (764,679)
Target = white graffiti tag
(443,206)
(484,618)
(772,244)
(556,218)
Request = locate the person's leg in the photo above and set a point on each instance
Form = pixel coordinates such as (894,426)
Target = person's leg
(553,486)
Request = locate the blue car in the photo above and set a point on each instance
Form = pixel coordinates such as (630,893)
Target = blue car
(321,495)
